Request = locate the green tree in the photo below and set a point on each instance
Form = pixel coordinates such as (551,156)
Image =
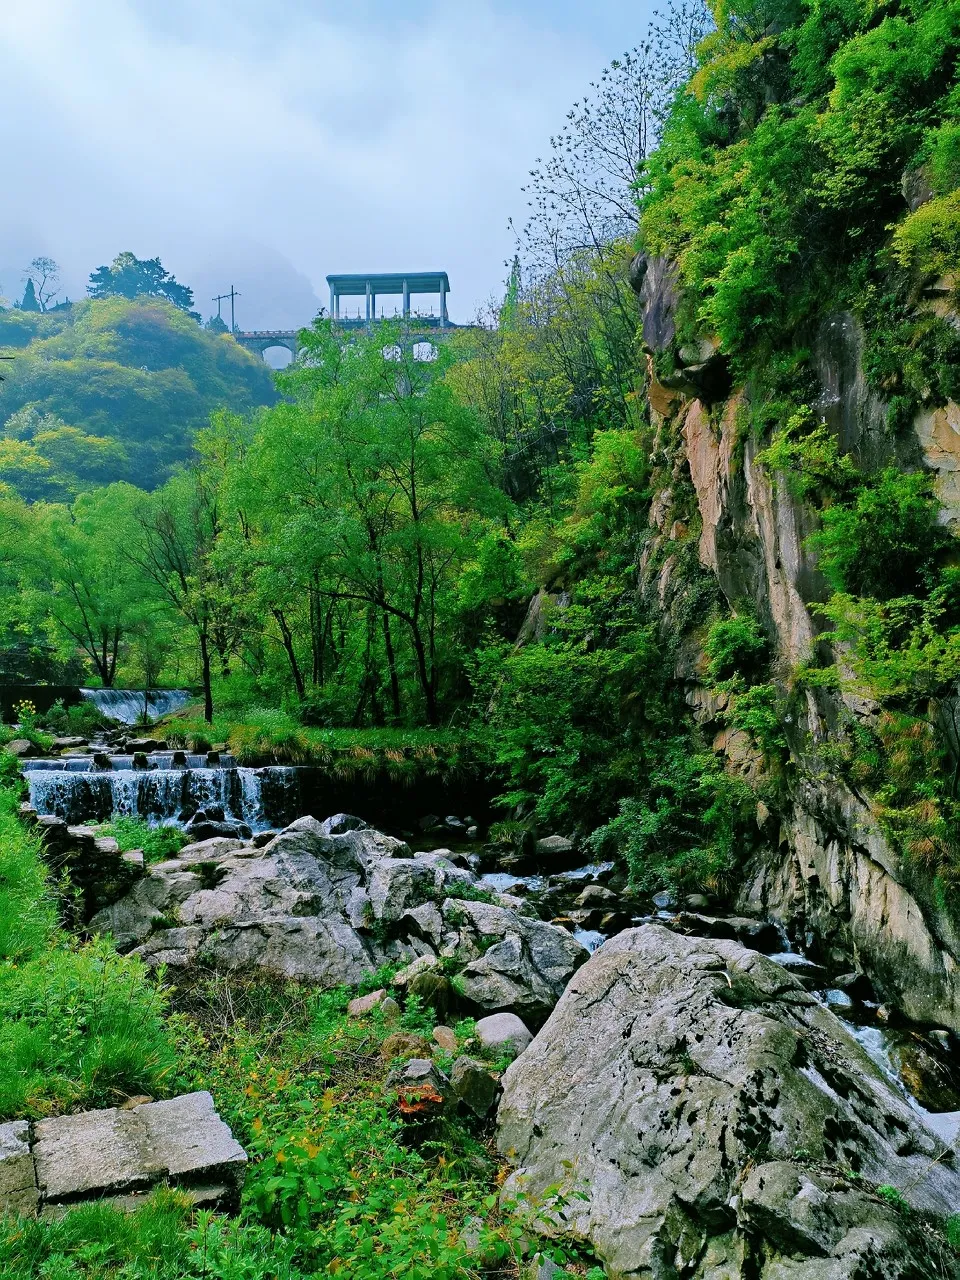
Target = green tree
(29,300)
(131,277)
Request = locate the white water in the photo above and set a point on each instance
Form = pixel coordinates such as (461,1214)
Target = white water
(158,795)
(126,706)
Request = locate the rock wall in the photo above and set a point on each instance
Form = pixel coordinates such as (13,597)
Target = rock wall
(825,868)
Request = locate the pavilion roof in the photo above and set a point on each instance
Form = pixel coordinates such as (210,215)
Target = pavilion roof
(390,282)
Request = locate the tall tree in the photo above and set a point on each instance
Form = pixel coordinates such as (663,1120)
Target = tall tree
(44,274)
(131,277)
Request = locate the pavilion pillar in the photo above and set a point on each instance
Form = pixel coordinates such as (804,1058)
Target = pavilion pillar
(406,300)
(443,306)
(369,296)
(333,302)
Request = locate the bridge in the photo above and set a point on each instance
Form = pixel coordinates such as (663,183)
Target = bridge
(405,285)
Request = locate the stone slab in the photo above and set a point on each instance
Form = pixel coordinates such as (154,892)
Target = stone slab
(18,1182)
(114,1152)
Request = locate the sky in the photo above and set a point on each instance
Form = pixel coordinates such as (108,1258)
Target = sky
(267,144)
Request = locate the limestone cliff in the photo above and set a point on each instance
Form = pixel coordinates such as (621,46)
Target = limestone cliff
(824,865)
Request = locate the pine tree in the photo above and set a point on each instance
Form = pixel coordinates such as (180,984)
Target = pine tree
(29,302)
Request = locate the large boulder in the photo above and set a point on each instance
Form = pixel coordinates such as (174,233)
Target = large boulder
(328,902)
(698,1107)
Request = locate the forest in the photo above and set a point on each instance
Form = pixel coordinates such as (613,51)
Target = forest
(622,552)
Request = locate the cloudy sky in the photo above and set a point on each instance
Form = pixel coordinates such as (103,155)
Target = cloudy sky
(266,143)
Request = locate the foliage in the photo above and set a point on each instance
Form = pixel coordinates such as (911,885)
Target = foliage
(736,646)
(156,843)
(688,827)
(131,277)
(268,736)
(114,389)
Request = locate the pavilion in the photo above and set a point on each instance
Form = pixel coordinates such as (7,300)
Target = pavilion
(403,283)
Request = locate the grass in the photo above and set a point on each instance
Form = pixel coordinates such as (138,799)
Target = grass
(263,736)
(79,1026)
(156,843)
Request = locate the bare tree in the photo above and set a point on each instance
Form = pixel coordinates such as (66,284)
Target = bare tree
(582,196)
(45,274)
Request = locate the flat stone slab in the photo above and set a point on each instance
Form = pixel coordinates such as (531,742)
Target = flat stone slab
(18,1183)
(112,1152)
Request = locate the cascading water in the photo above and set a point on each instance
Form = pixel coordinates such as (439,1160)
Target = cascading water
(72,789)
(127,706)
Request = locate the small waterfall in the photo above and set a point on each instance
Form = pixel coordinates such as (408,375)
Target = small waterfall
(259,797)
(126,706)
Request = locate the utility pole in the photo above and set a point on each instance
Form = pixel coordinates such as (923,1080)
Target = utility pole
(222,297)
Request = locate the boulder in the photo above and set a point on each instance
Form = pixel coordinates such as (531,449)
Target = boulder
(22,748)
(404,1044)
(474,1086)
(526,968)
(446,1038)
(423,1091)
(553,846)
(329,908)
(680,1087)
(595,895)
(503,1033)
(341,823)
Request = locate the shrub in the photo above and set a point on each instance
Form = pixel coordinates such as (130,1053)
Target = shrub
(81,719)
(736,646)
(687,830)
(885,540)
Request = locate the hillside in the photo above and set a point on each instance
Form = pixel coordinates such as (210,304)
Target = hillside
(113,389)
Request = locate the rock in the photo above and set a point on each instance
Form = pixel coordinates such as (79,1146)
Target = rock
(360,1006)
(664,900)
(404,1044)
(503,1033)
(22,748)
(68,744)
(454,823)
(390,1009)
(472,832)
(422,963)
(433,989)
(673,1069)
(429,822)
(446,1038)
(262,838)
(473,1084)
(553,846)
(422,1090)
(525,971)
(18,1182)
(696,902)
(595,895)
(341,823)
(99,1153)
(198,831)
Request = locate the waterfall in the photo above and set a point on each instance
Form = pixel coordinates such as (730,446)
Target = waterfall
(259,797)
(127,705)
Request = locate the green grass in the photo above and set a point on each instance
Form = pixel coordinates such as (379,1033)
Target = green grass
(157,843)
(79,1026)
(266,735)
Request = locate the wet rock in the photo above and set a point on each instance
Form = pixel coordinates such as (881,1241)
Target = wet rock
(22,748)
(696,902)
(760,935)
(198,830)
(262,838)
(668,1065)
(663,900)
(503,1033)
(473,1084)
(68,744)
(553,846)
(429,822)
(930,1074)
(595,895)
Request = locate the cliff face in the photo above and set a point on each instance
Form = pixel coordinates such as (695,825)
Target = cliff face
(824,865)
